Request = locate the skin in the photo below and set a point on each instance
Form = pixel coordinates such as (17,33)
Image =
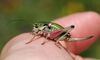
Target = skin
(86,23)
(16,49)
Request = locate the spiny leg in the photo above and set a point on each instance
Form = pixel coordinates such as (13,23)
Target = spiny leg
(46,39)
(76,39)
(63,36)
(68,29)
(37,31)
(31,39)
(69,52)
(34,35)
(58,44)
(79,39)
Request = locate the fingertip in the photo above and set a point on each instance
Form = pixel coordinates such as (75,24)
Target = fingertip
(67,20)
(16,49)
(86,24)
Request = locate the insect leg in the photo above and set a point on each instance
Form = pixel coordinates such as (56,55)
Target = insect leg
(68,29)
(69,52)
(31,39)
(79,39)
(59,39)
(46,39)
(64,34)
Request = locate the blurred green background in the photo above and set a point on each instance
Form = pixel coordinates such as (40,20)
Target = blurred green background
(17,16)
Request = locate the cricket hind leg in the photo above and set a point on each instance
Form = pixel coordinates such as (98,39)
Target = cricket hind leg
(58,44)
(79,39)
(69,52)
(76,39)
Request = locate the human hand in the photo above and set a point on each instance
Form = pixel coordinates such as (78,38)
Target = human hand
(86,23)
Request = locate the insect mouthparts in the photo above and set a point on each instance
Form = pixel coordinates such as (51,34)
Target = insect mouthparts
(72,26)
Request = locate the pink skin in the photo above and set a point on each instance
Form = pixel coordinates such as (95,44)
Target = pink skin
(86,23)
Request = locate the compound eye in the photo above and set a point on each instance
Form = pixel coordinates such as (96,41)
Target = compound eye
(45,25)
(36,26)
